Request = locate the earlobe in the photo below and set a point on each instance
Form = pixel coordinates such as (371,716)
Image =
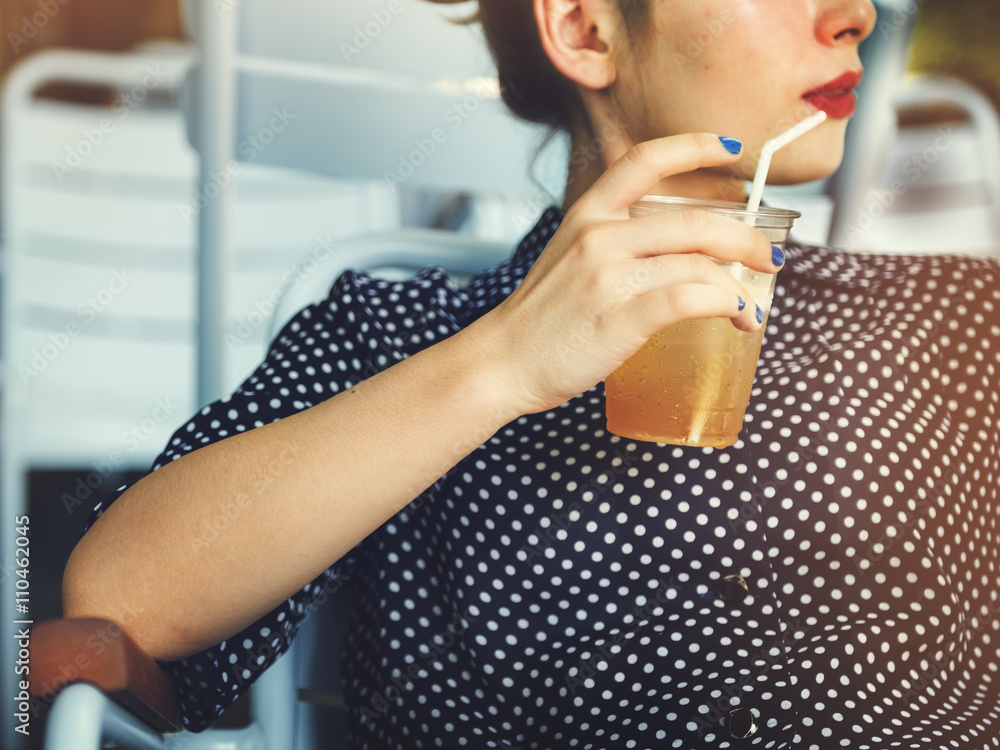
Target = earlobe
(575,35)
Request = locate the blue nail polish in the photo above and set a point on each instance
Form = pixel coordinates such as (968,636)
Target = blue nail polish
(760,315)
(731,145)
(742,303)
(777,257)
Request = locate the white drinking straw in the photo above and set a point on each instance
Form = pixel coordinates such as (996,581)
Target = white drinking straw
(760,176)
(753,204)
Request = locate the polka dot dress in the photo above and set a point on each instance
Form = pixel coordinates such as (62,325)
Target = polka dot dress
(832,581)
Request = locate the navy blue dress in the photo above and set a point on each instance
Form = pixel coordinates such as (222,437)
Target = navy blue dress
(830,581)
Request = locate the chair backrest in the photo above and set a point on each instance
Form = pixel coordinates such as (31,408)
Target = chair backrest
(77,292)
(80,282)
(914,187)
(937,187)
(394,254)
(98,253)
(869,134)
(911,181)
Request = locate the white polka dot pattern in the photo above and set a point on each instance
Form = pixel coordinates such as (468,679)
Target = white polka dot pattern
(830,581)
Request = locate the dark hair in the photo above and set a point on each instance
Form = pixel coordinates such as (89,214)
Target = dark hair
(530,84)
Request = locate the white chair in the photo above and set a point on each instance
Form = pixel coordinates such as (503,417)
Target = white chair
(300,695)
(937,189)
(916,187)
(74,321)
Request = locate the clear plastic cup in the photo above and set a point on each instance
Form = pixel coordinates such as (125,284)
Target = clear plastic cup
(690,384)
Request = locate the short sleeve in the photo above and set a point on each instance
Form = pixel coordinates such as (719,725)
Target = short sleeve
(325,349)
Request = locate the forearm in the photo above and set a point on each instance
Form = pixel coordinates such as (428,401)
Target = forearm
(206,545)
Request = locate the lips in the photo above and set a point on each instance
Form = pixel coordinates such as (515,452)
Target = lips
(836,98)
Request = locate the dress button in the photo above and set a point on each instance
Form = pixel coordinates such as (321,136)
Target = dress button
(733,589)
(742,723)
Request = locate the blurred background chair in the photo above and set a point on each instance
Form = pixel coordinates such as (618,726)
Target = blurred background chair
(937,187)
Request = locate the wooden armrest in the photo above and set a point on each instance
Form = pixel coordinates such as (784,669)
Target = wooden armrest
(102,653)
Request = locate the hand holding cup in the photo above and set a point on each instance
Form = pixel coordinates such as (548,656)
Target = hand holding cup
(606,283)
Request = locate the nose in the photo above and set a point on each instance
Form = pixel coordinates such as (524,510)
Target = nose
(844,21)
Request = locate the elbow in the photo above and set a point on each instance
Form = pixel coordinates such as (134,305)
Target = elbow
(83,592)
(88,594)
(76,593)
(92,589)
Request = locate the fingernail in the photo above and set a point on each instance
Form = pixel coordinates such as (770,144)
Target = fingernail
(742,303)
(731,145)
(777,257)
(760,315)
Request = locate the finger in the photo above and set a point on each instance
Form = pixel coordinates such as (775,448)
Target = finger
(688,231)
(665,307)
(633,175)
(641,277)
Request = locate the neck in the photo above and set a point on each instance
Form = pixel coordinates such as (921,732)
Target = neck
(592,152)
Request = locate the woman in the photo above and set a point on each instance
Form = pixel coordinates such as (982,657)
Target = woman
(830,581)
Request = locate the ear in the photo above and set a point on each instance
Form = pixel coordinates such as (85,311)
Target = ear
(577,36)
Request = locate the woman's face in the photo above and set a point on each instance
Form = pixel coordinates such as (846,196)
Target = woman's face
(748,69)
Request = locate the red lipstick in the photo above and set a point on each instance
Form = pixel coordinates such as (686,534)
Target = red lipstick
(836,98)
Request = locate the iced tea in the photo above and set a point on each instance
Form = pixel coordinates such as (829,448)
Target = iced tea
(690,384)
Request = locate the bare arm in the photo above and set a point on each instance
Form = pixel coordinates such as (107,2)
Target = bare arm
(290,499)
(297,494)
